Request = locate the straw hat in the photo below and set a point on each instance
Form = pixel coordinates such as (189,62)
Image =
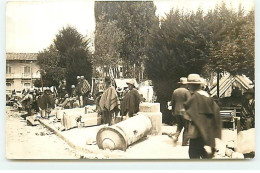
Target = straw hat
(183,80)
(132,82)
(194,79)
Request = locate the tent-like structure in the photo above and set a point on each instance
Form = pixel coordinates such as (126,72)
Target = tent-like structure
(228,82)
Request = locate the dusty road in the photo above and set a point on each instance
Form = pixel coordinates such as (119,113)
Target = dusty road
(27,142)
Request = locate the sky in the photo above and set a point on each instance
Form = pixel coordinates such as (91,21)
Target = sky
(31,26)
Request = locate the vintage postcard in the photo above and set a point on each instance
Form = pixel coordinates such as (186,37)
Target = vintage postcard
(154,79)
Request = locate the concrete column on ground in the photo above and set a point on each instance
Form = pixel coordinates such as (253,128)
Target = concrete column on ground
(152,111)
(121,135)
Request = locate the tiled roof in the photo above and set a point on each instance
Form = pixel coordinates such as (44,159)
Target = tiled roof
(21,56)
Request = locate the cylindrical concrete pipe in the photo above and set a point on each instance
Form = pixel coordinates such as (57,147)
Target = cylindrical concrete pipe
(121,135)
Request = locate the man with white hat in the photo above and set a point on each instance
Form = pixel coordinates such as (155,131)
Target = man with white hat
(131,100)
(205,123)
(179,97)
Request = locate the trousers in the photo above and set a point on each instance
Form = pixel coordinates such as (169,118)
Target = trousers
(182,123)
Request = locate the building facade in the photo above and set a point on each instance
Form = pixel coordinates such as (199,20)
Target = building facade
(21,71)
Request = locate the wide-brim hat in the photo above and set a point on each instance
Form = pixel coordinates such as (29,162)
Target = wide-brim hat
(132,82)
(250,91)
(183,80)
(194,79)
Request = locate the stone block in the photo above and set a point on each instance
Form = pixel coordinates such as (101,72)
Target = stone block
(246,141)
(156,120)
(149,107)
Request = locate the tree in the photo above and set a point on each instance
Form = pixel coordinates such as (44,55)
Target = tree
(51,73)
(235,52)
(177,48)
(135,20)
(66,58)
(108,41)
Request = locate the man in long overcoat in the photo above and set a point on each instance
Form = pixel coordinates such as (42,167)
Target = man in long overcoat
(205,123)
(131,100)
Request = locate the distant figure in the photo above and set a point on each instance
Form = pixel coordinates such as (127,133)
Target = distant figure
(179,97)
(247,120)
(205,123)
(63,94)
(46,102)
(27,102)
(61,86)
(83,88)
(109,102)
(131,101)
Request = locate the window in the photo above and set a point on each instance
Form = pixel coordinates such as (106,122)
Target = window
(8,69)
(27,69)
(26,85)
(8,85)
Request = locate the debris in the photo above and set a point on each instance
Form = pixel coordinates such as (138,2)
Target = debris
(229,152)
(237,155)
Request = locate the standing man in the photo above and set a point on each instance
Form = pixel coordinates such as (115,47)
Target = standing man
(109,102)
(179,97)
(205,123)
(85,90)
(46,103)
(247,120)
(131,100)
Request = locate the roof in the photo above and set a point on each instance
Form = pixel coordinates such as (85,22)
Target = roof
(226,82)
(21,56)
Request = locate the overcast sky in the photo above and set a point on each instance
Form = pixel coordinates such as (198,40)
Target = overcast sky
(31,26)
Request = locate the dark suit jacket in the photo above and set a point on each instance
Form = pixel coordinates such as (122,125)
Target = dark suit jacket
(179,97)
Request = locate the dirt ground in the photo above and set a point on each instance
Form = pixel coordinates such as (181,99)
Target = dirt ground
(27,142)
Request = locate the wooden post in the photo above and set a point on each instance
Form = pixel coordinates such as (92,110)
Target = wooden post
(218,84)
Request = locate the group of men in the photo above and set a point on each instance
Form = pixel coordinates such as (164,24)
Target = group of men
(78,96)
(110,106)
(199,115)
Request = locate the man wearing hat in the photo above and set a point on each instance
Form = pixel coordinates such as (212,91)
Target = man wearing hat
(83,89)
(205,123)
(179,97)
(247,120)
(109,102)
(27,103)
(131,100)
(46,103)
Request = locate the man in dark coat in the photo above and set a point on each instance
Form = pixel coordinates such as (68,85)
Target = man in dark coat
(46,102)
(131,101)
(205,123)
(247,120)
(179,97)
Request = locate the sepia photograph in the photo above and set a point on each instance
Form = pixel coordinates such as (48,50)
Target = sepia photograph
(127,80)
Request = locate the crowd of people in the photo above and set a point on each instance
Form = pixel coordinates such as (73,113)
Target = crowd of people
(194,109)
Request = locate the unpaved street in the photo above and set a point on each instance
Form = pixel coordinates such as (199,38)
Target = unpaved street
(27,142)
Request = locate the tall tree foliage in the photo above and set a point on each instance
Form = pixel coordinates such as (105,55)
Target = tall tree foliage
(234,53)
(67,57)
(108,41)
(178,47)
(134,19)
(196,42)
